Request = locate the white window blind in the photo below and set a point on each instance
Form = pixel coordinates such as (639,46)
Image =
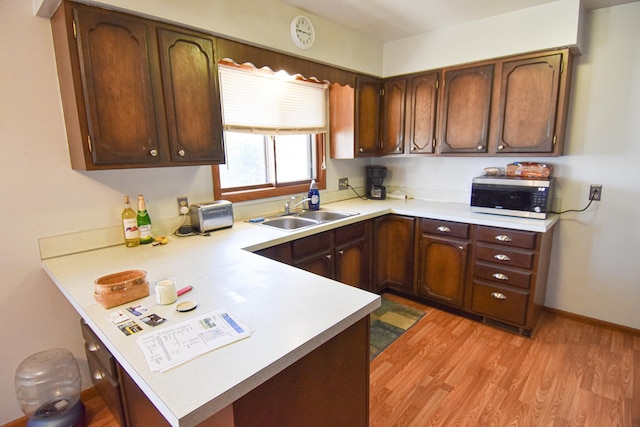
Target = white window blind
(261,101)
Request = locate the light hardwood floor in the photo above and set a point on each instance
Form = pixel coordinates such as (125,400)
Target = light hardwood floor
(451,371)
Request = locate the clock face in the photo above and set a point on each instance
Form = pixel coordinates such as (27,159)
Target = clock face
(302,32)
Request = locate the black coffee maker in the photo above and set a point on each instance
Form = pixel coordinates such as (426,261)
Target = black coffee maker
(375,176)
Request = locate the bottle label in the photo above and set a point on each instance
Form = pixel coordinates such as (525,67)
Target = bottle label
(145,232)
(130,228)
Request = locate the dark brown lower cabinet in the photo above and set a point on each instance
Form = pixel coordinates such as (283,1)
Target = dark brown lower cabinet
(490,273)
(442,256)
(393,240)
(327,387)
(342,254)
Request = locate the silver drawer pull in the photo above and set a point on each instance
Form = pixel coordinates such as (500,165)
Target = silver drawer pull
(500,276)
(443,229)
(498,295)
(93,347)
(98,374)
(502,257)
(503,238)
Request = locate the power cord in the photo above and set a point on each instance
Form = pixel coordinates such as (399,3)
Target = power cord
(354,190)
(592,196)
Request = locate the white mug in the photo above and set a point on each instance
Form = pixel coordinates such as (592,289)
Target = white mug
(166,292)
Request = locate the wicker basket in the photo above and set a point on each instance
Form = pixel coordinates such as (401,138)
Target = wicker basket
(122,287)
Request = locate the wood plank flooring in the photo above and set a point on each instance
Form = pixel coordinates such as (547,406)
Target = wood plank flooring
(451,371)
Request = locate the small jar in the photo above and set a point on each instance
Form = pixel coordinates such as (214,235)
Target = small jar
(166,292)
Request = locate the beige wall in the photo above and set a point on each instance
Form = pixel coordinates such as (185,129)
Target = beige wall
(593,271)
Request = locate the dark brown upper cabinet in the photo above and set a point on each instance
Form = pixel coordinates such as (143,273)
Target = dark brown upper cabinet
(532,100)
(393,123)
(136,93)
(354,117)
(466,108)
(421,111)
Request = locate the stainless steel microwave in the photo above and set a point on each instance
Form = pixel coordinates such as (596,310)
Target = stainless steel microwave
(523,197)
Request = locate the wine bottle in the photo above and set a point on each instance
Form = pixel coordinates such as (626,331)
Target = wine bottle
(144,222)
(130,225)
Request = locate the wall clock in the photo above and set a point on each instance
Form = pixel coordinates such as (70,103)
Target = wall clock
(302,32)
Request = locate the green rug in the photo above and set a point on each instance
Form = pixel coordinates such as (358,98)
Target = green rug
(388,322)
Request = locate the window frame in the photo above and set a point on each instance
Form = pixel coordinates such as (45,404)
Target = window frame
(265,191)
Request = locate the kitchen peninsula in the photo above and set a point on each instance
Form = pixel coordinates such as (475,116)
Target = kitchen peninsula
(308,354)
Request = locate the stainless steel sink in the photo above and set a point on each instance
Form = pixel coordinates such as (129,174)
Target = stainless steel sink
(289,222)
(297,220)
(324,216)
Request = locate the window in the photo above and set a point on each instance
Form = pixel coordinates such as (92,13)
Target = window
(275,128)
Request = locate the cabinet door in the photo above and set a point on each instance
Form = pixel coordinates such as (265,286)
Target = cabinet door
(464,121)
(367,116)
(529,104)
(421,113)
(192,96)
(442,268)
(393,253)
(117,87)
(394,115)
(351,264)
(320,264)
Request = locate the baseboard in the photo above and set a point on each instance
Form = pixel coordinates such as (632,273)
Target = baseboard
(592,321)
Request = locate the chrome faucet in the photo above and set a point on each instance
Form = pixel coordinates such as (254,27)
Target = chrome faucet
(288,207)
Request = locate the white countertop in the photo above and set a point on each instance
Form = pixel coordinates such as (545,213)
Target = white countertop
(292,311)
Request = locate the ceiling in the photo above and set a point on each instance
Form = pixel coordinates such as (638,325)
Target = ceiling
(388,20)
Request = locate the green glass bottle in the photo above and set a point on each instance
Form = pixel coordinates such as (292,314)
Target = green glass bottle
(144,222)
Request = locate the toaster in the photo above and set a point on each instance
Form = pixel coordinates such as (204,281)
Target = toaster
(212,215)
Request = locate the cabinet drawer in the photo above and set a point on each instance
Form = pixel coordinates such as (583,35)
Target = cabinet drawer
(445,228)
(311,245)
(503,236)
(94,346)
(107,386)
(504,256)
(498,302)
(500,274)
(350,232)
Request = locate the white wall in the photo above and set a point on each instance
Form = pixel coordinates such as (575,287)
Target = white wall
(593,273)
(536,28)
(594,270)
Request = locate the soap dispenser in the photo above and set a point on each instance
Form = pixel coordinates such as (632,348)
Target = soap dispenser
(314,196)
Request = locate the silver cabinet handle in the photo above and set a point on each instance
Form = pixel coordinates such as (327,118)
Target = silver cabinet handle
(98,374)
(328,256)
(500,276)
(502,257)
(93,347)
(361,150)
(154,153)
(341,252)
(498,295)
(443,229)
(480,147)
(503,238)
(500,147)
(181,153)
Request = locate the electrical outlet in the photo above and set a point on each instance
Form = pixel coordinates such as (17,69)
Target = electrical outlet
(183,205)
(595,192)
(343,183)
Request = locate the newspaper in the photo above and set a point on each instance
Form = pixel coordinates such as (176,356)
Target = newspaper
(171,346)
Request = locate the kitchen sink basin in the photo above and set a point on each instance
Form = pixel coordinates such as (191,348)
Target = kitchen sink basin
(324,216)
(289,222)
(306,218)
